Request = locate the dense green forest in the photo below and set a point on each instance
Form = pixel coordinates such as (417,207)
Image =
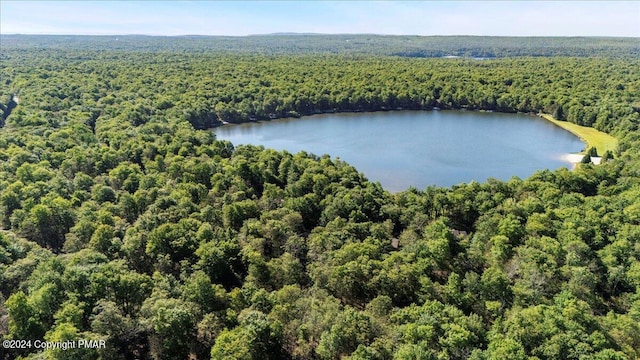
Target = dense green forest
(123,219)
(393,45)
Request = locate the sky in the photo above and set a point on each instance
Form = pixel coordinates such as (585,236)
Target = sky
(238,18)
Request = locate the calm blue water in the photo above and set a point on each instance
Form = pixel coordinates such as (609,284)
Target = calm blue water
(419,148)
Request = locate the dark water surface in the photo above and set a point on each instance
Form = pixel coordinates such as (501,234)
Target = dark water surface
(419,148)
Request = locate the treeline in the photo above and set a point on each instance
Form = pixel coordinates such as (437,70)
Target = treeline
(363,44)
(207,90)
(124,222)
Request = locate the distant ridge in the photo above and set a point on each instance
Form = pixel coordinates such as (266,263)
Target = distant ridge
(288,34)
(357,44)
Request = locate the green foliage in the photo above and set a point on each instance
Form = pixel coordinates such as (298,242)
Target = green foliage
(350,329)
(172,323)
(122,219)
(254,338)
(566,329)
(24,322)
(320,44)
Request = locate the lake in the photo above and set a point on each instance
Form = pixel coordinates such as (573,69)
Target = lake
(401,149)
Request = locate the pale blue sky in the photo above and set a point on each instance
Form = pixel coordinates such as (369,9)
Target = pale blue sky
(502,18)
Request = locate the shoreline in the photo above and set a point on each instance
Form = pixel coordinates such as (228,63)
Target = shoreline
(350,111)
(575,159)
(589,136)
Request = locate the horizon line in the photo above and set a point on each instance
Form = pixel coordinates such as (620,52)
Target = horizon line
(323,34)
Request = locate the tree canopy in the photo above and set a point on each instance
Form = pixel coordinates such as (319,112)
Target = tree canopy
(123,219)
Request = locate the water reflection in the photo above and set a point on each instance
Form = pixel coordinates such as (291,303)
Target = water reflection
(420,148)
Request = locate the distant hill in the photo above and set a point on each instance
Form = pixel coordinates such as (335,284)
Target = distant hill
(294,43)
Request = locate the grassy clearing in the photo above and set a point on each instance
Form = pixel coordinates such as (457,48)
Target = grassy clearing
(591,136)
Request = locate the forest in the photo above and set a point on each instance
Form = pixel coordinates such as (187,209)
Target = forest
(123,219)
(363,44)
